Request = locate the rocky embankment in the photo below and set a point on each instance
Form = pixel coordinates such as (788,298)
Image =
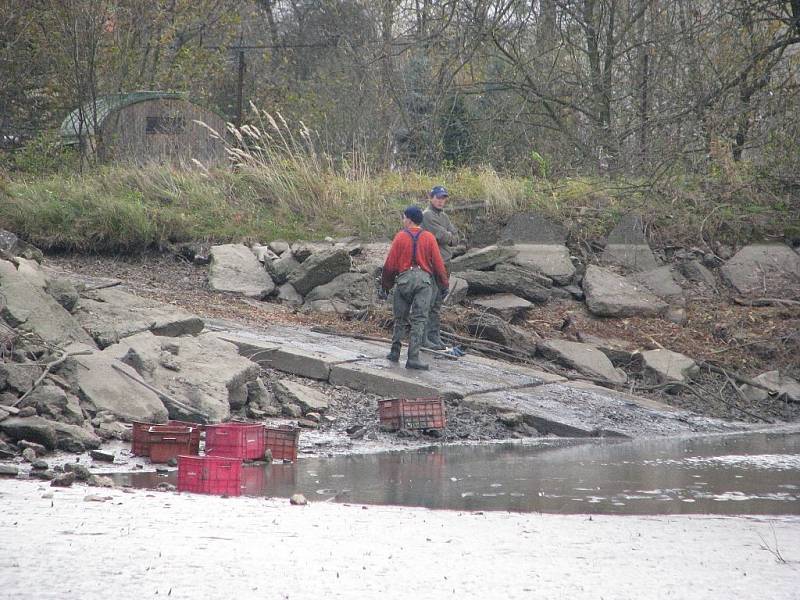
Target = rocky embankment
(82,357)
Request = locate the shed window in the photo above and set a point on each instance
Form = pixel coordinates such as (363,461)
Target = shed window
(167,125)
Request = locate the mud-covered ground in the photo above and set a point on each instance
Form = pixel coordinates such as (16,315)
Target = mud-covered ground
(746,340)
(92,543)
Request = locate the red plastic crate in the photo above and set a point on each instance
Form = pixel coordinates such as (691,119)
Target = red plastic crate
(167,442)
(140,445)
(282,441)
(236,440)
(197,429)
(412,413)
(210,475)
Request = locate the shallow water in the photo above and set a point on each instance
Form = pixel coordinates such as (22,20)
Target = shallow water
(742,474)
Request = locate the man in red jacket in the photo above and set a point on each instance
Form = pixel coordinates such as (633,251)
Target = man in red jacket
(411,266)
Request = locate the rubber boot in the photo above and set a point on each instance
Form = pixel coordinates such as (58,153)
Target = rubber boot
(415,343)
(433,338)
(394,353)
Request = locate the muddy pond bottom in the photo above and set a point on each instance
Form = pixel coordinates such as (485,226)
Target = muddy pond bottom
(742,474)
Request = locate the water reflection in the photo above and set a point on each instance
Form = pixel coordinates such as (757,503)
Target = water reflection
(753,474)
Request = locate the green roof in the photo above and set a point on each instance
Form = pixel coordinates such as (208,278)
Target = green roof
(104,106)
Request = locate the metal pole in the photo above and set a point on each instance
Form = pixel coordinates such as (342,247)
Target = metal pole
(239,85)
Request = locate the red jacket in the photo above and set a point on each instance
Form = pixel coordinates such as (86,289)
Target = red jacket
(399,258)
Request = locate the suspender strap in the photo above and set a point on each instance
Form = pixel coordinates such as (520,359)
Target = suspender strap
(414,239)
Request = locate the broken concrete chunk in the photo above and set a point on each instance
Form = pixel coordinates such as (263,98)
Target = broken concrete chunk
(107,384)
(482,259)
(779,384)
(30,309)
(660,282)
(667,366)
(508,307)
(583,358)
(551,260)
(771,270)
(309,399)
(234,268)
(35,429)
(320,268)
(627,246)
(611,295)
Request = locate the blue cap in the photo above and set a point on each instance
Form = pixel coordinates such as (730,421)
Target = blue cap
(413,213)
(439,192)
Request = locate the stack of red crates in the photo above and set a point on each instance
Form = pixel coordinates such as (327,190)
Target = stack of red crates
(282,441)
(412,413)
(210,475)
(236,440)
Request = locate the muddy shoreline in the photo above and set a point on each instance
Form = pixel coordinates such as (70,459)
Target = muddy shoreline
(79,543)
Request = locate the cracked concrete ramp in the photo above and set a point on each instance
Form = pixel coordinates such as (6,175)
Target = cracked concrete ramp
(547,402)
(361,365)
(583,410)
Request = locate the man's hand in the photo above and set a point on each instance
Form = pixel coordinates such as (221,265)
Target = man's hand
(444,293)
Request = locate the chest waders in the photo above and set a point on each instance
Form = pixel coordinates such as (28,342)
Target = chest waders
(433,334)
(413,292)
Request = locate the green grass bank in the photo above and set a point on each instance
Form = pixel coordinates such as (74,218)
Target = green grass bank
(129,210)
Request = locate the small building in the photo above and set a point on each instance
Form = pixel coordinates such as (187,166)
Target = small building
(146,127)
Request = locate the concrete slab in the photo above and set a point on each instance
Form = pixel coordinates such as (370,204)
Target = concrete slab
(577,409)
(385,379)
(467,376)
(549,259)
(361,365)
(300,351)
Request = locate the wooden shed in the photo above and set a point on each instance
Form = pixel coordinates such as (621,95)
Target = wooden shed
(146,127)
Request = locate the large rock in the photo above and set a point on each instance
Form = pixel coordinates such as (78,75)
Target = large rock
(280,268)
(63,292)
(320,268)
(489,327)
(619,352)
(112,314)
(355,289)
(627,246)
(307,398)
(611,295)
(11,245)
(33,429)
(696,272)
(771,270)
(18,376)
(506,306)
(32,271)
(288,295)
(53,402)
(507,279)
(584,358)
(234,268)
(8,241)
(203,372)
(482,259)
(534,228)
(72,438)
(103,387)
(551,260)
(666,366)
(457,292)
(781,385)
(30,309)
(264,254)
(660,282)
